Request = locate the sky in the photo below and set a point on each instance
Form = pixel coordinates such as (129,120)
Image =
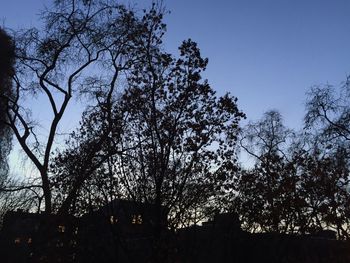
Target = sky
(267,53)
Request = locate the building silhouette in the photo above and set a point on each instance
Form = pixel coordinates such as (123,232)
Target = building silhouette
(123,231)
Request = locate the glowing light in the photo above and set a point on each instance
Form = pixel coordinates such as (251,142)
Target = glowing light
(61,229)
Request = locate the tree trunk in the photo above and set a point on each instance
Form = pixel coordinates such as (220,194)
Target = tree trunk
(47,192)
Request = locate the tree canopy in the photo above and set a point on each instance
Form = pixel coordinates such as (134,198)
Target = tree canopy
(84,48)
(154,131)
(297,184)
(169,138)
(7,56)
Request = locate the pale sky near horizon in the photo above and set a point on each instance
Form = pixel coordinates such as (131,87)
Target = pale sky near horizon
(265,52)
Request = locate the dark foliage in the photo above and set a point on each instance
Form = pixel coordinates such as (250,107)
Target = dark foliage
(298,184)
(7,56)
(165,141)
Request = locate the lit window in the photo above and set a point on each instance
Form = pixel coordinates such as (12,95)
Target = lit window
(136,219)
(61,229)
(113,220)
(17,240)
(139,219)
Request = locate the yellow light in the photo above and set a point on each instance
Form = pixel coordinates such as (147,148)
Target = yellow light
(113,220)
(139,219)
(61,229)
(136,219)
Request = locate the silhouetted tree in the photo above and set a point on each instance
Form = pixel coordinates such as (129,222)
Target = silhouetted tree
(323,187)
(297,184)
(79,41)
(7,56)
(15,195)
(264,191)
(8,200)
(82,177)
(266,196)
(327,123)
(172,137)
(96,141)
(328,112)
(182,134)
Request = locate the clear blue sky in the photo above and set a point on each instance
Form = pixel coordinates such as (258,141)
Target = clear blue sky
(265,52)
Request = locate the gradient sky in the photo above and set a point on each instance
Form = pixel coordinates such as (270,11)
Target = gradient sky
(265,52)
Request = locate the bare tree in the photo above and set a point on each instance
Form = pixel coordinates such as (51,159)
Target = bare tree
(297,184)
(328,161)
(84,44)
(328,111)
(267,190)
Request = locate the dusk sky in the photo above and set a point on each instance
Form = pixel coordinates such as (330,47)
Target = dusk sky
(143,175)
(265,52)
